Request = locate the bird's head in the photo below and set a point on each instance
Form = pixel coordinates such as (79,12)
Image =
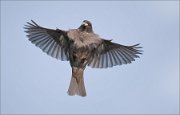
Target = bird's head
(86,26)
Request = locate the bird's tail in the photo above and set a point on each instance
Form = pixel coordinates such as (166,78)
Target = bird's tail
(76,86)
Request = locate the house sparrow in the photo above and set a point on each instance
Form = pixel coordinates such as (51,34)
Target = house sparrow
(80,47)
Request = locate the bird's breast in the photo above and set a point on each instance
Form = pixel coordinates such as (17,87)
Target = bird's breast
(83,39)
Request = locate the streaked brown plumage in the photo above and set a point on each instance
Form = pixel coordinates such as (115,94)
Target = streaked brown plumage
(81,47)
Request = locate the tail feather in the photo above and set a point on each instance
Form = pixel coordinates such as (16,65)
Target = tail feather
(73,87)
(81,87)
(77,86)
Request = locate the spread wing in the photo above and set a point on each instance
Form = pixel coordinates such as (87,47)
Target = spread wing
(109,54)
(52,42)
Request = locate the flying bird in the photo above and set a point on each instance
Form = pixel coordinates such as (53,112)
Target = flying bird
(81,47)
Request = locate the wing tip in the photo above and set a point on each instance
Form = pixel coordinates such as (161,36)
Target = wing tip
(30,24)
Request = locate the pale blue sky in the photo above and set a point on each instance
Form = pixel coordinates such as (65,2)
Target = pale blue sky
(34,83)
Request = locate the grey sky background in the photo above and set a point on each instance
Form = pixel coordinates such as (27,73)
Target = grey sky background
(34,83)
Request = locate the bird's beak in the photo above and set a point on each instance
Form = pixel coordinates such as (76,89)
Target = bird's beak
(84,23)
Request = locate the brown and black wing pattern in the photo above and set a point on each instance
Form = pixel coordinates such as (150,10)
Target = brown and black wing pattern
(110,54)
(52,42)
